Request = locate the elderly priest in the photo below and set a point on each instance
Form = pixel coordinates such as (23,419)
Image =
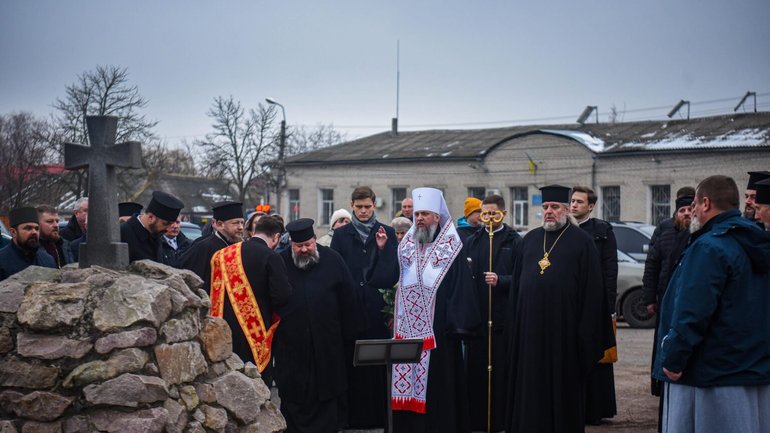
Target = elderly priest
(559,322)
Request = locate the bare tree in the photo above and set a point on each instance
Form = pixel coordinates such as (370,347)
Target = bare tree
(103,91)
(241,145)
(26,173)
(302,139)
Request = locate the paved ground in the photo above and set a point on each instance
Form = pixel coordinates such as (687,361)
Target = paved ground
(637,409)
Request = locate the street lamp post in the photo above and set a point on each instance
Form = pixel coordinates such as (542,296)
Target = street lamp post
(281,154)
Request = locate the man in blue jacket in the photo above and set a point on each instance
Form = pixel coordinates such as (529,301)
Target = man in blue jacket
(24,250)
(714,326)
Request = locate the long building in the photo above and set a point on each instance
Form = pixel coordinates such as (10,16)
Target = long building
(635,167)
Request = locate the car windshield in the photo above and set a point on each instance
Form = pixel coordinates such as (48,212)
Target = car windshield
(191,231)
(625,258)
(647,229)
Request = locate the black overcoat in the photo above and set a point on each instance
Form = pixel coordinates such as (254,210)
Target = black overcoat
(141,244)
(505,245)
(320,314)
(13,260)
(197,257)
(372,270)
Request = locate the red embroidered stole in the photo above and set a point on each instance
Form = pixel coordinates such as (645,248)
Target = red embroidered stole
(228,275)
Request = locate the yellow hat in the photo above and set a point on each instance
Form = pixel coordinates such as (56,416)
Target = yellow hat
(472,204)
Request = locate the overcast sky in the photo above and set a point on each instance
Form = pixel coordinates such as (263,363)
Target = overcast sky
(468,64)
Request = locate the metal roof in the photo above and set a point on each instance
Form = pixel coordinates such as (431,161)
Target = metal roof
(741,130)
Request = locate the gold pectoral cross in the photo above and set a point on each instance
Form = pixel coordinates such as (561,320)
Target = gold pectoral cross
(544,263)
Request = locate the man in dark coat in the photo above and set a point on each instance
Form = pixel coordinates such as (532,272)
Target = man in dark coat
(142,232)
(749,212)
(559,322)
(50,240)
(505,244)
(369,250)
(254,281)
(600,384)
(227,223)
(668,241)
(308,344)
(434,303)
(24,249)
(173,243)
(714,330)
(76,226)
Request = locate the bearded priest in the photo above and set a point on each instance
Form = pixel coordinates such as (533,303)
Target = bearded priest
(560,326)
(433,303)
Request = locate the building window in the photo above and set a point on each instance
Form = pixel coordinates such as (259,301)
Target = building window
(398,194)
(478,192)
(327,206)
(293,204)
(611,203)
(661,203)
(519,207)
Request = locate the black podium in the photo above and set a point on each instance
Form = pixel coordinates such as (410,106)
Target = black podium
(387,353)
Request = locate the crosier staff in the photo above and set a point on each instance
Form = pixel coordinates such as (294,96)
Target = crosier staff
(490,218)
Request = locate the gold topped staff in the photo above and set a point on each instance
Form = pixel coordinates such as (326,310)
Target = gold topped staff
(489,218)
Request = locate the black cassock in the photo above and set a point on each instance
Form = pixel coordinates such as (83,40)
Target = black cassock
(321,313)
(141,244)
(559,330)
(505,246)
(456,315)
(197,257)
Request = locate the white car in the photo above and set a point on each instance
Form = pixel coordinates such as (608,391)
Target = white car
(629,303)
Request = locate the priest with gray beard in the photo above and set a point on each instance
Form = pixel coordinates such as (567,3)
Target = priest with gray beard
(559,328)
(433,303)
(307,348)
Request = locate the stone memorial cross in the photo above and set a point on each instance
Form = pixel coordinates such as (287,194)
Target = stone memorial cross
(103,246)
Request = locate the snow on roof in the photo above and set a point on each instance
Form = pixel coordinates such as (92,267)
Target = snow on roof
(595,144)
(740,138)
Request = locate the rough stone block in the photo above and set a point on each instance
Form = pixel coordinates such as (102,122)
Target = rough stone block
(7,427)
(145,421)
(216,418)
(125,361)
(217,339)
(189,397)
(135,338)
(132,299)
(269,420)
(11,295)
(76,424)
(251,370)
(182,297)
(183,328)
(14,373)
(49,306)
(205,392)
(40,406)
(41,427)
(127,390)
(51,346)
(78,275)
(238,394)
(195,427)
(234,363)
(180,362)
(6,340)
(177,416)
(34,274)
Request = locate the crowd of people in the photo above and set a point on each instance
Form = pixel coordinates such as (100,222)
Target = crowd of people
(517,333)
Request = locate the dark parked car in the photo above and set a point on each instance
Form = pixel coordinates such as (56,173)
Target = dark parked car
(633,238)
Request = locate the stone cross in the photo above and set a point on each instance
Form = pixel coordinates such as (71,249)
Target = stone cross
(103,246)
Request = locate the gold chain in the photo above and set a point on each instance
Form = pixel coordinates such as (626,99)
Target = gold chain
(544,262)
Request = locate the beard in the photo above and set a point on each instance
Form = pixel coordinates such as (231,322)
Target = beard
(695,224)
(30,245)
(682,224)
(425,235)
(552,226)
(749,213)
(305,261)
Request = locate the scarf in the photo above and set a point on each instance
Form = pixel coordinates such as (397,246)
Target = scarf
(423,268)
(364,228)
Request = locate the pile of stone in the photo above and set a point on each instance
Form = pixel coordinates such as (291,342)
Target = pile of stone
(86,350)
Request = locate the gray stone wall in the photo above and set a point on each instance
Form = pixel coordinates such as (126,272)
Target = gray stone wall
(85,350)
